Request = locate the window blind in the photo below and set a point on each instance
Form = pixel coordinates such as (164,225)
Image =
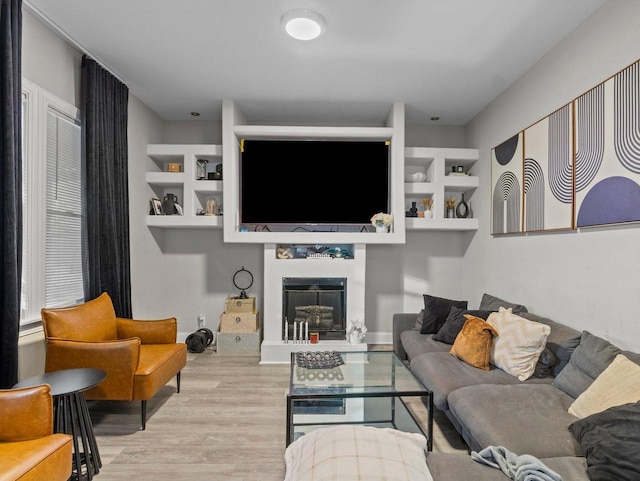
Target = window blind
(63,277)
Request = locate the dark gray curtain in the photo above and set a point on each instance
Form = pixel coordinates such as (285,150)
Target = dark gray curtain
(104,109)
(10,187)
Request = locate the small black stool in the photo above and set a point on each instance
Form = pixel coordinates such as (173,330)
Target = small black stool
(71,414)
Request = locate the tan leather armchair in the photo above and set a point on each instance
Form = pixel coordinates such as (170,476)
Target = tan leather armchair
(139,356)
(29,450)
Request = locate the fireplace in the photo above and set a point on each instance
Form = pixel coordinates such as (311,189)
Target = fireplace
(320,301)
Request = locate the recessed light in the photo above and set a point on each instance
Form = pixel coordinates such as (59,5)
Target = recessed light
(303,24)
(435,118)
(195,114)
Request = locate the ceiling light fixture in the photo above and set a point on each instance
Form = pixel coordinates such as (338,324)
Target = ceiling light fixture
(303,24)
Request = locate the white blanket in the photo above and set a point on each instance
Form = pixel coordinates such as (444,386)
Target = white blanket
(518,467)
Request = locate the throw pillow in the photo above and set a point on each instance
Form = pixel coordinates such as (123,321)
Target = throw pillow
(519,343)
(348,452)
(546,361)
(419,320)
(473,344)
(436,310)
(591,357)
(455,320)
(609,441)
(493,303)
(618,384)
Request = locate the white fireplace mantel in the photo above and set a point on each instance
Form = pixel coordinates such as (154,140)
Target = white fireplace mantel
(274,349)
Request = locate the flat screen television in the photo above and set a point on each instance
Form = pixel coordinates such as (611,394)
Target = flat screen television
(313,182)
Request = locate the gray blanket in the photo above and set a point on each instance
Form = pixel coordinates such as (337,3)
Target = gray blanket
(518,467)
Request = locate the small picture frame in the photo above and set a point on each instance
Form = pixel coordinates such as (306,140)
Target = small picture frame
(156,207)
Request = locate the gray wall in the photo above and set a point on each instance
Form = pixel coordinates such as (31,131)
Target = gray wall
(589,279)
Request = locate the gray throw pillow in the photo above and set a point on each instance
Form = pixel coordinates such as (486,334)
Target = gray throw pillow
(609,440)
(454,323)
(436,310)
(591,357)
(562,340)
(493,303)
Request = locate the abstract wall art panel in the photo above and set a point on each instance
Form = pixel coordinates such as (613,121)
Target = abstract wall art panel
(607,169)
(506,186)
(548,173)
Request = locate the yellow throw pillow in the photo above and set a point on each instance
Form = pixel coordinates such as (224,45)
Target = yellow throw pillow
(473,343)
(519,343)
(618,384)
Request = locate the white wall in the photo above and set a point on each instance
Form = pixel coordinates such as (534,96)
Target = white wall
(588,279)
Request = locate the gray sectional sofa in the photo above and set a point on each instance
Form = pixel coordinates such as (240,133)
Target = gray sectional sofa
(494,408)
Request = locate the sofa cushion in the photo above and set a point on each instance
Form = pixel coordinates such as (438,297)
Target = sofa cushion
(562,339)
(443,373)
(518,344)
(610,441)
(473,344)
(525,418)
(347,452)
(591,357)
(415,343)
(436,310)
(493,303)
(618,384)
(460,467)
(454,322)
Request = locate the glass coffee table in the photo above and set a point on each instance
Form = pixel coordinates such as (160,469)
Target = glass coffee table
(367,388)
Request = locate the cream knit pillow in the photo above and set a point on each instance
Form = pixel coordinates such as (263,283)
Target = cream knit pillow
(519,343)
(618,384)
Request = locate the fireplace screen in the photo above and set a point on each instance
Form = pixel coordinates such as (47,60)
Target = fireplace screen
(320,301)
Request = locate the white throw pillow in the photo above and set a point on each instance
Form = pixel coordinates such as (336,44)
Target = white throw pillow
(351,452)
(618,384)
(519,343)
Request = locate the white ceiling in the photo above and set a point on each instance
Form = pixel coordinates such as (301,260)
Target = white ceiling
(444,58)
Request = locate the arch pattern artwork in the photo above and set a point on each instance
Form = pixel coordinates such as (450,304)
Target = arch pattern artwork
(506,202)
(608,160)
(548,172)
(506,173)
(578,167)
(534,195)
(589,135)
(626,126)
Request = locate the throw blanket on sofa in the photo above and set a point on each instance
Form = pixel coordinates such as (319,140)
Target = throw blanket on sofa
(518,467)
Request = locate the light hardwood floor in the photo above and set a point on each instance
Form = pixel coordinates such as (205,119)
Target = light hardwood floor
(227,423)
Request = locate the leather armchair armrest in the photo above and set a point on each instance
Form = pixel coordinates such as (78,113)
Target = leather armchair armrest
(26,413)
(162,331)
(119,359)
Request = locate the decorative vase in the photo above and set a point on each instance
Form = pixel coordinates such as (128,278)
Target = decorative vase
(355,338)
(381,228)
(462,209)
(169,204)
(413,211)
(428,214)
(450,213)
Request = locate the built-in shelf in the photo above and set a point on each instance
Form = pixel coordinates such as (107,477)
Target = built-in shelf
(434,166)
(192,192)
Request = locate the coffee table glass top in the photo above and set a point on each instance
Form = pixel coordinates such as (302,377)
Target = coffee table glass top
(371,373)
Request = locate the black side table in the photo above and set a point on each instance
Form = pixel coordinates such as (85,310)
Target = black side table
(71,415)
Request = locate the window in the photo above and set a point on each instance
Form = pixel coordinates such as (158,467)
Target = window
(52,203)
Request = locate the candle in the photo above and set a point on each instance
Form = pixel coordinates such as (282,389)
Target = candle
(306,331)
(295,336)
(286,331)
